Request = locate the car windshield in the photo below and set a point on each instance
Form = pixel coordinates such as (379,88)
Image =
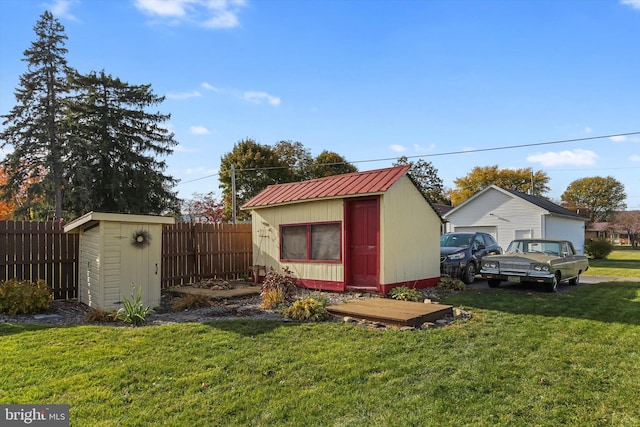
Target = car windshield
(455,240)
(533,246)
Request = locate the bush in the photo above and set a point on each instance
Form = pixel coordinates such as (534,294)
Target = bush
(191,301)
(277,288)
(133,311)
(24,297)
(99,315)
(404,293)
(307,309)
(451,284)
(598,248)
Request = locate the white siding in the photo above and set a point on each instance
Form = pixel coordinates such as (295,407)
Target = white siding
(409,235)
(266,242)
(567,229)
(504,212)
(90,289)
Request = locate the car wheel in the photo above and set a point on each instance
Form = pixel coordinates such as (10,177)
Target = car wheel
(553,286)
(493,283)
(469,274)
(575,280)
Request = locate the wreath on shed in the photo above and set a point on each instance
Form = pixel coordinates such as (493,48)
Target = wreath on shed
(141,239)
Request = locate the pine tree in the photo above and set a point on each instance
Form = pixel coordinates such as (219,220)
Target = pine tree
(33,126)
(114,161)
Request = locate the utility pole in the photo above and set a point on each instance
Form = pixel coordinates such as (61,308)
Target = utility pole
(233,193)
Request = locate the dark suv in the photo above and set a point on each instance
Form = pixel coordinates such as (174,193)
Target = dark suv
(461,252)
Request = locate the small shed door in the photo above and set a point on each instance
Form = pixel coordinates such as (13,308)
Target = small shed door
(362,259)
(140,265)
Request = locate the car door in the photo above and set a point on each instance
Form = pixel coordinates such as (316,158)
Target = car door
(569,260)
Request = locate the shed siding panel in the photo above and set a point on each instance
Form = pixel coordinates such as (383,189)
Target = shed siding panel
(111,265)
(496,209)
(410,230)
(266,240)
(568,229)
(89,291)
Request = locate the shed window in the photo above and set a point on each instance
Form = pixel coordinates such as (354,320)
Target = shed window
(310,242)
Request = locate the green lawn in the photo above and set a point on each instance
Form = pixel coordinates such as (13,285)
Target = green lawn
(526,358)
(620,263)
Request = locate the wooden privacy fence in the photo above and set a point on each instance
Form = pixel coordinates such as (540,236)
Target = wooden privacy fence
(190,252)
(40,251)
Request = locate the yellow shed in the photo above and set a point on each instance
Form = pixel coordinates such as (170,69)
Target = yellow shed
(119,252)
(370,230)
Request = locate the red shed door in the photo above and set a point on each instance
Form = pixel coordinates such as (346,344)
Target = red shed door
(362,232)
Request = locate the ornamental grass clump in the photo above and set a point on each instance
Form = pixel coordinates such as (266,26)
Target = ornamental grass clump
(24,297)
(277,288)
(133,311)
(451,284)
(309,309)
(190,302)
(404,293)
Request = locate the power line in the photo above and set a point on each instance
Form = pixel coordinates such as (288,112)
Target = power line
(448,153)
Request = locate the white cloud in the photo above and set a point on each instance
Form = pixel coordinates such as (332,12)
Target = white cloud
(60,9)
(624,138)
(397,148)
(577,157)
(205,13)
(633,3)
(184,95)
(198,130)
(635,158)
(588,130)
(207,86)
(259,97)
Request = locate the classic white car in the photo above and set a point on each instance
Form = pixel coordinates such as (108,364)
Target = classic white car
(545,261)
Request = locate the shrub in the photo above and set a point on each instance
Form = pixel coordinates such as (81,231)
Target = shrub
(404,293)
(307,309)
(99,315)
(24,297)
(277,288)
(451,284)
(598,248)
(133,311)
(191,301)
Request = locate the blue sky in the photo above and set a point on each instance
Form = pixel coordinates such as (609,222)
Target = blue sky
(370,80)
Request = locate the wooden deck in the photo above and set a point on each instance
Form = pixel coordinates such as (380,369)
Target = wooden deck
(392,312)
(239,290)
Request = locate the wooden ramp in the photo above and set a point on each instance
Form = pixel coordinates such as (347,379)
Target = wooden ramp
(392,312)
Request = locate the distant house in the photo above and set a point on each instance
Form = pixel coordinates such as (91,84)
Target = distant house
(508,215)
(607,231)
(370,230)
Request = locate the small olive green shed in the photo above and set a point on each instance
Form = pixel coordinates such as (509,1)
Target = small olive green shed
(119,252)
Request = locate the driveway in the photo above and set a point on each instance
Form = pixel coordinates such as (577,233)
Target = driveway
(584,280)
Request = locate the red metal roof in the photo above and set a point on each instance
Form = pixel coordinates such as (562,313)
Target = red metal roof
(351,184)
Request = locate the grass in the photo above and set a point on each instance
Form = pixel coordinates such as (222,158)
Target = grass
(620,263)
(525,358)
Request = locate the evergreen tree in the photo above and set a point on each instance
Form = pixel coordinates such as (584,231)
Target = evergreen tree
(33,126)
(115,148)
